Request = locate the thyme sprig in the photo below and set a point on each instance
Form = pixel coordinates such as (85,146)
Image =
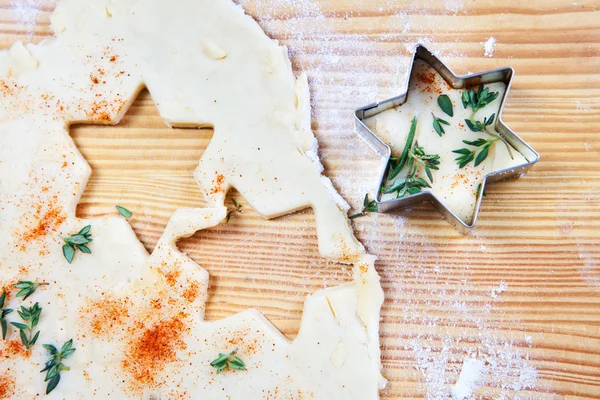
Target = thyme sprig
(79,242)
(27,288)
(238,208)
(368,207)
(31,317)
(413,156)
(54,365)
(413,184)
(3,313)
(228,360)
(478,99)
(437,125)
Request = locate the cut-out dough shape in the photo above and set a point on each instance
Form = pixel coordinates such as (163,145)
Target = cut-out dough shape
(137,321)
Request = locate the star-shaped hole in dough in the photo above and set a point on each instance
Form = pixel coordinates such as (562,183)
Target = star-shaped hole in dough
(142,165)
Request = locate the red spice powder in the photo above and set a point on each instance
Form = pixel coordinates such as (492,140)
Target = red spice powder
(172,276)
(49,218)
(12,349)
(218,184)
(426,77)
(7,386)
(191,292)
(149,353)
(106,315)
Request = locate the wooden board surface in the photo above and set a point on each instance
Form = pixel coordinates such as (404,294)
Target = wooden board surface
(522,293)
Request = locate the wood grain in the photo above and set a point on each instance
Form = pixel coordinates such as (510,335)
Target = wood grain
(523,290)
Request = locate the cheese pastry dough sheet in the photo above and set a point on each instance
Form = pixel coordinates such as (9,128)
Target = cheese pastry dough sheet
(137,320)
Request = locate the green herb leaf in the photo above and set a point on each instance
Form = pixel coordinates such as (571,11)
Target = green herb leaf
(412,184)
(478,100)
(84,249)
(123,211)
(54,365)
(482,155)
(368,206)
(228,360)
(77,241)
(437,125)
(238,208)
(396,186)
(477,143)
(31,317)
(68,252)
(407,147)
(466,156)
(445,104)
(27,288)
(465,99)
(469,155)
(3,314)
(475,126)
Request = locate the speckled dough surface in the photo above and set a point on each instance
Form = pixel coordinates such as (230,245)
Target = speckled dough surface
(137,319)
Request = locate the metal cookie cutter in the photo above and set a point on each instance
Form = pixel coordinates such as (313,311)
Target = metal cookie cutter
(458,82)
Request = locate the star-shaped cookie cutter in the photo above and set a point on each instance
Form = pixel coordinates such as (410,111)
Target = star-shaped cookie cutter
(458,82)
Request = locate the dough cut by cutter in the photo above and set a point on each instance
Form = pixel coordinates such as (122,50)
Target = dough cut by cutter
(137,319)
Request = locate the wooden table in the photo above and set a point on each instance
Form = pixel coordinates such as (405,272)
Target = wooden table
(522,293)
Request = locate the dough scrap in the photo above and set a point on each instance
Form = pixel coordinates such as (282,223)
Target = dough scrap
(137,319)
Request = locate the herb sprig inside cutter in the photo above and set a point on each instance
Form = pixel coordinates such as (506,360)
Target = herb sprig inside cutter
(476,100)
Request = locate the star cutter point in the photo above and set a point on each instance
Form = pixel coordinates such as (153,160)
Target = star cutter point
(504,75)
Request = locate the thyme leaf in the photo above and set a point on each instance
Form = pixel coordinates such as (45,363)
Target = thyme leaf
(437,125)
(445,104)
(228,360)
(238,208)
(3,313)
(31,317)
(77,241)
(123,211)
(404,157)
(54,365)
(27,288)
(368,207)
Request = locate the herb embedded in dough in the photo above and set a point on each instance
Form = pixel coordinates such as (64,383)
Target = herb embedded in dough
(228,360)
(3,314)
(31,317)
(27,288)
(77,241)
(368,207)
(54,365)
(123,211)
